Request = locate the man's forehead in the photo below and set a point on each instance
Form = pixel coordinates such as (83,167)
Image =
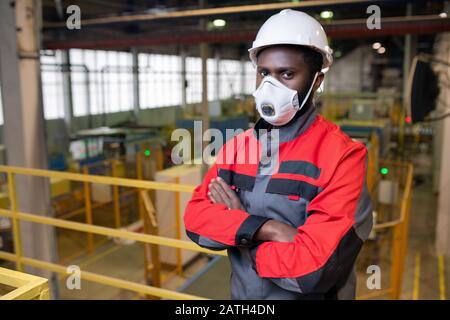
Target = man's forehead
(280,55)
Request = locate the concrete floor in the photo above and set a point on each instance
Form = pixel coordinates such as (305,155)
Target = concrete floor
(423,279)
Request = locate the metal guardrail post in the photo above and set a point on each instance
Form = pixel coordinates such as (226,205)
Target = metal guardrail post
(151,227)
(178,229)
(16,222)
(139,176)
(400,237)
(396,262)
(116,195)
(88,205)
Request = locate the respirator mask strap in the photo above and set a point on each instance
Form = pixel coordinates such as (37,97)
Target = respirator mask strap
(309,92)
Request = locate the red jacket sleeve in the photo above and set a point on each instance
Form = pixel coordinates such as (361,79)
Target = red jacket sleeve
(327,244)
(214,226)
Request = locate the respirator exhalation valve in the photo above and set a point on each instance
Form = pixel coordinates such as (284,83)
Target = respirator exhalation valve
(268,109)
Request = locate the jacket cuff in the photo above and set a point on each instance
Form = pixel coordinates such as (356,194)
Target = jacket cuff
(245,233)
(253,257)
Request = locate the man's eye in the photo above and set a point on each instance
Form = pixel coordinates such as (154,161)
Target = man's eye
(287,75)
(263,73)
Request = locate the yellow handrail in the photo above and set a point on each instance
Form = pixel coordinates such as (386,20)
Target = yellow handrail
(18,216)
(399,239)
(26,286)
(105,231)
(124,182)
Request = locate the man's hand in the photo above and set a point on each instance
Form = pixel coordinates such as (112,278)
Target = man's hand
(220,192)
(277,231)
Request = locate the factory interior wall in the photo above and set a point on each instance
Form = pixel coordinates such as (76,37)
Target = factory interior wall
(351,72)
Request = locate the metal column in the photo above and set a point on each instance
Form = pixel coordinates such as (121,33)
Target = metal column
(205,106)
(136,101)
(243,73)
(67,90)
(443,214)
(183,83)
(217,82)
(24,122)
(408,53)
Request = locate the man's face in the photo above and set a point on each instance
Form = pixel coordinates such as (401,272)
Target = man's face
(286,64)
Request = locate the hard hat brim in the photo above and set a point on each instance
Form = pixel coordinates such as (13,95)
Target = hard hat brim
(326,56)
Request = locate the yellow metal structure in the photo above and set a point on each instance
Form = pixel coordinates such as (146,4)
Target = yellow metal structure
(25,286)
(18,216)
(399,227)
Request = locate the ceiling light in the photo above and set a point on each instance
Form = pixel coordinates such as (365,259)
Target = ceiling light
(381,50)
(326,14)
(376,45)
(219,23)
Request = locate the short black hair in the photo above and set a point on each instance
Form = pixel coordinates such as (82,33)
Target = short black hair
(312,58)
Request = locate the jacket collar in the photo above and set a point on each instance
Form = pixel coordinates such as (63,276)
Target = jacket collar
(294,128)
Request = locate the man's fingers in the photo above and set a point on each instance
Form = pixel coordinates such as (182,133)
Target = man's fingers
(211,197)
(233,198)
(226,188)
(217,194)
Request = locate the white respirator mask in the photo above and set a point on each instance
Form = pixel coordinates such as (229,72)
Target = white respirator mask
(276,103)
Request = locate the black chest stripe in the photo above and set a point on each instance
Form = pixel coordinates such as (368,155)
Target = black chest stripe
(305,168)
(238,180)
(292,187)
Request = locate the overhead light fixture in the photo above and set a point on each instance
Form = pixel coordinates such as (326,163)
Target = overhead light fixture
(381,50)
(376,45)
(326,14)
(443,15)
(219,23)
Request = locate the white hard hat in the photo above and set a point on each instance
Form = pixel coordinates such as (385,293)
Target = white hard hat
(292,27)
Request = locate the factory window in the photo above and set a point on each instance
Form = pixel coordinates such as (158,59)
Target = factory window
(224,82)
(194,79)
(249,78)
(52,88)
(159,80)
(102,81)
(230,78)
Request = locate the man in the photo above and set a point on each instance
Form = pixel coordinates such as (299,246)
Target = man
(293,227)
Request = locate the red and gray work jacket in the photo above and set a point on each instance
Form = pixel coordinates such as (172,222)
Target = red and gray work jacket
(316,185)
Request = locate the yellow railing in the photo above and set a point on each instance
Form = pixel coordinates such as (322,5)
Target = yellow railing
(89,206)
(17,216)
(25,286)
(400,227)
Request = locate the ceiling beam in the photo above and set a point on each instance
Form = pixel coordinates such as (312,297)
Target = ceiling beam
(339,29)
(211,12)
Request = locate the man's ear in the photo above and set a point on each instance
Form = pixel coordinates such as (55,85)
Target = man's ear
(318,81)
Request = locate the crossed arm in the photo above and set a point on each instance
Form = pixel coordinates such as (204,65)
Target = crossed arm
(310,258)
(272,230)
